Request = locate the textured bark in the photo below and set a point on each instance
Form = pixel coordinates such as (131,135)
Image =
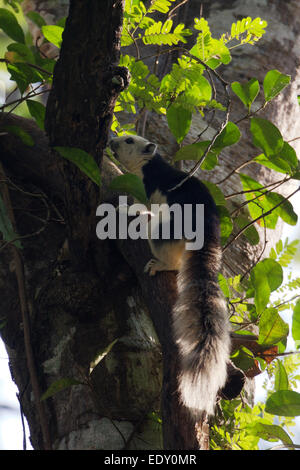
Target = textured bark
(86,84)
(80,305)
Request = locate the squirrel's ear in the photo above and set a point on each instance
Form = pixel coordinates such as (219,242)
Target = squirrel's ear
(150,149)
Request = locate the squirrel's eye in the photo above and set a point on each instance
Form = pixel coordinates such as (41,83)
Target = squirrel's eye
(129,140)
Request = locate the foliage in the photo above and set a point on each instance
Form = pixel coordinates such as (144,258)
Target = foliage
(251,304)
(189,88)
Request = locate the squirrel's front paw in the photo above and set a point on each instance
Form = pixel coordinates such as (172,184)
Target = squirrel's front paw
(151,267)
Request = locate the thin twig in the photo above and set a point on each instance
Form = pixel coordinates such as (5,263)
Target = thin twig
(33,66)
(256,197)
(262,251)
(40,195)
(283,180)
(22,421)
(287,301)
(30,94)
(258,218)
(235,170)
(283,446)
(171,12)
(207,126)
(249,115)
(292,140)
(19,270)
(222,126)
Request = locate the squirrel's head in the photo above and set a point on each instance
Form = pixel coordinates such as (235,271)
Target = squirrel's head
(132,151)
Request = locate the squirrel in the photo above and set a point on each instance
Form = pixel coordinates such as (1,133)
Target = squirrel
(201,327)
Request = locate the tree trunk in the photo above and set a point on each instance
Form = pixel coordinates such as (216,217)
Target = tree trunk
(96,295)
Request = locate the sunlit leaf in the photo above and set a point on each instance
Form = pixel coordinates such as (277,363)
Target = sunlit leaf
(272,432)
(53,34)
(247,92)
(296,324)
(250,233)
(179,121)
(284,403)
(266,276)
(226,223)
(274,83)
(272,329)
(281,377)
(266,136)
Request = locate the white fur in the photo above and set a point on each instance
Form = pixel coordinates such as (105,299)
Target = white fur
(132,156)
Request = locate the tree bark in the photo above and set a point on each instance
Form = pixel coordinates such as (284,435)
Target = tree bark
(82,301)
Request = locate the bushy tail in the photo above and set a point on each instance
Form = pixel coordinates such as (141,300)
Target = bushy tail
(201,331)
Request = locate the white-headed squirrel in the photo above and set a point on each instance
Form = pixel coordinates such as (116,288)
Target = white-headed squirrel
(200,319)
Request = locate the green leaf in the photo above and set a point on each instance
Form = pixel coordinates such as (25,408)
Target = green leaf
(160,33)
(162,6)
(6,227)
(284,403)
(247,92)
(53,34)
(22,53)
(272,329)
(23,135)
(284,162)
(266,136)
(23,75)
(226,223)
(10,26)
(131,184)
(243,359)
(230,135)
(209,50)
(250,233)
(216,193)
(274,83)
(101,355)
(179,121)
(37,111)
(266,277)
(192,151)
(202,91)
(224,285)
(195,152)
(58,386)
(267,202)
(272,270)
(287,254)
(272,432)
(296,324)
(281,377)
(82,160)
(36,18)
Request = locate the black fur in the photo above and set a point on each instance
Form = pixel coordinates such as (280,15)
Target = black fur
(200,322)
(158,174)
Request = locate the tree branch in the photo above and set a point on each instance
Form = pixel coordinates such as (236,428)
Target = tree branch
(258,218)
(23,298)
